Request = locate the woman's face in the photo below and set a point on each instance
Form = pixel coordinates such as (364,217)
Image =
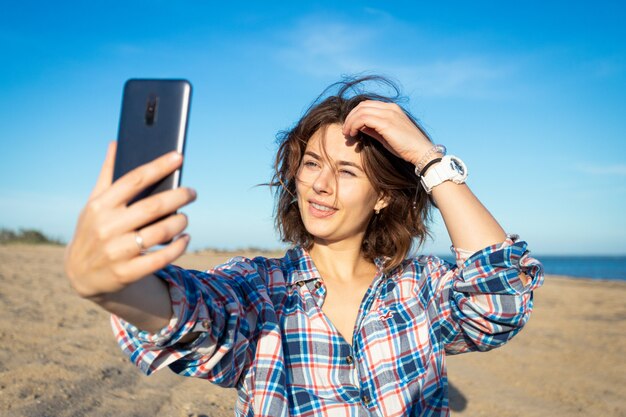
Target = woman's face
(335,197)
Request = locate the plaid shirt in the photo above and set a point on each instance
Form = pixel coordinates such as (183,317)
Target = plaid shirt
(261,329)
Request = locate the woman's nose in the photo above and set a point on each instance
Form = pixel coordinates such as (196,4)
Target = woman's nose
(323,183)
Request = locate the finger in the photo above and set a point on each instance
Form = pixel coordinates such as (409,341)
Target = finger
(374,120)
(152,208)
(164,231)
(127,246)
(141,266)
(373,133)
(129,185)
(391,111)
(367,104)
(106,172)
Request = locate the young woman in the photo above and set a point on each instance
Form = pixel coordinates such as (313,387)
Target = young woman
(344,324)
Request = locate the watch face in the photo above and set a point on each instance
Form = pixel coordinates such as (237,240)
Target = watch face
(456,166)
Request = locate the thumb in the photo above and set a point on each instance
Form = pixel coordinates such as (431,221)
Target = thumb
(106,172)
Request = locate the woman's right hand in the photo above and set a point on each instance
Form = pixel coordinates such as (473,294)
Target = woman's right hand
(104,255)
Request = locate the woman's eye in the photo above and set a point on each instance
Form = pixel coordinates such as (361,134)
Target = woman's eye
(347,173)
(310,164)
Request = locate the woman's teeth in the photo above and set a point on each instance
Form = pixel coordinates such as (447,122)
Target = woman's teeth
(320,207)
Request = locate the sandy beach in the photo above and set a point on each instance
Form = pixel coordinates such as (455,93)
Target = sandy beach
(59,357)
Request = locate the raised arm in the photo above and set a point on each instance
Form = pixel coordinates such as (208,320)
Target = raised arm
(104,260)
(469,224)
(487,298)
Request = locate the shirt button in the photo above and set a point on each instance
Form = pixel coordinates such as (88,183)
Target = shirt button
(349,359)
(300,283)
(366,399)
(318,284)
(206,324)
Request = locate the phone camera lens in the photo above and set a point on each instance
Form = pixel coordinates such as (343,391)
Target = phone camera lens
(151,107)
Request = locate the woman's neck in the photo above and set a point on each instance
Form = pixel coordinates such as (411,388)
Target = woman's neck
(341,262)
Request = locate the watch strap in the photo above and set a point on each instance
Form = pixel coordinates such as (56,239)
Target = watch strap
(428,165)
(450,168)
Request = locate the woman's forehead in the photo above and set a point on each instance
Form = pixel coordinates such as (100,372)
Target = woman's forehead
(329,142)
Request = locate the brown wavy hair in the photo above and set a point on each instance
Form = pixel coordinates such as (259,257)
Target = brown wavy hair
(391,233)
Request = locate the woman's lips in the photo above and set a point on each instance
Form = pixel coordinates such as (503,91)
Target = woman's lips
(320,210)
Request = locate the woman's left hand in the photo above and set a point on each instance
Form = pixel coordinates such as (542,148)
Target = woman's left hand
(389,124)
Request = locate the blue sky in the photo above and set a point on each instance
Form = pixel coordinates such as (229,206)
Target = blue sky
(532,96)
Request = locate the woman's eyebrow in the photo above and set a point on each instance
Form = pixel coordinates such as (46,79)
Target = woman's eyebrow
(348,163)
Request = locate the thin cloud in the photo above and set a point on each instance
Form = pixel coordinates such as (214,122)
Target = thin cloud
(616,169)
(379,13)
(466,77)
(325,49)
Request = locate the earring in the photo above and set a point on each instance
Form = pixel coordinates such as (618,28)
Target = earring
(377,211)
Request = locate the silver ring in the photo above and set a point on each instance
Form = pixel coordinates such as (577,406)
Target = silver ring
(139,242)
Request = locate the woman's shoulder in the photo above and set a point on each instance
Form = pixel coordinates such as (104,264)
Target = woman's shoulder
(425,261)
(273,266)
(249,261)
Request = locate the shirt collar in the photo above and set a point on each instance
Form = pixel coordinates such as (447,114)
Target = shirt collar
(301,266)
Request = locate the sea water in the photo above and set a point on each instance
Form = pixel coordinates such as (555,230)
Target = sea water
(595,267)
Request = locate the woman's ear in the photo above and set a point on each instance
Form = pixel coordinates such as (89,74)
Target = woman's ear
(382,202)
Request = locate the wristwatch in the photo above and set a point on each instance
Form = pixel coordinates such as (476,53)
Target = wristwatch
(451,168)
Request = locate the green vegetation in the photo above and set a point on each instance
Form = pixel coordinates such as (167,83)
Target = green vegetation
(26,236)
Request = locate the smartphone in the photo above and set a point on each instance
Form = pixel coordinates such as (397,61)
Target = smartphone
(153,122)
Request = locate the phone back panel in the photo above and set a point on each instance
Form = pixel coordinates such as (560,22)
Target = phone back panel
(153,122)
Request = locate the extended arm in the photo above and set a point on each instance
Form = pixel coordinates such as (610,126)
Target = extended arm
(104,262)
(224,309)
(469,224)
